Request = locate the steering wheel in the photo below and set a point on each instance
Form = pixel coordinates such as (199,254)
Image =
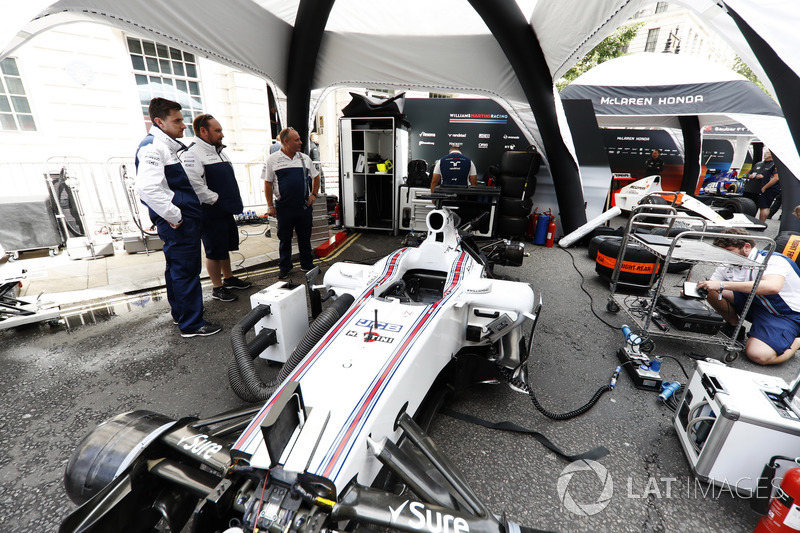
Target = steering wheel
(396,288)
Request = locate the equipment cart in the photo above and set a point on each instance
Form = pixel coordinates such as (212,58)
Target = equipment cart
(693,247)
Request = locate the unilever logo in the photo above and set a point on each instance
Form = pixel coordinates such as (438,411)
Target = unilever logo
(581,508)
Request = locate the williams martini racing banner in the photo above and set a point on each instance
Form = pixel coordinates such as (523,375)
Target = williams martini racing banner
(481,129)
(690,99)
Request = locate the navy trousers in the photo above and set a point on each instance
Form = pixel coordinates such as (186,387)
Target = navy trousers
(294,220)
(182,274)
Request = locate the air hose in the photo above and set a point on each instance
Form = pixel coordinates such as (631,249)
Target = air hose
(522,385)
(242,374)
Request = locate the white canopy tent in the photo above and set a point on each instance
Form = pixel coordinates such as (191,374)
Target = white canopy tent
(648,90)
(508,50)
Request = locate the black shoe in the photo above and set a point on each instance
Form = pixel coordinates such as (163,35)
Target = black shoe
(203,331)
(223,294)
(235,283)
(304,269)
(284,275)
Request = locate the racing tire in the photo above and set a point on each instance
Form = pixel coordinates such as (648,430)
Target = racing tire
(520,162)
(512,227)
(513,186)
(637,267)
(113,444)
(594,244)
(788,244)
(740,205)
(653,200)
(513,207)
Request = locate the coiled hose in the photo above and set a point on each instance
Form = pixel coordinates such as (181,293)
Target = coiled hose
(553,416)
(242,375)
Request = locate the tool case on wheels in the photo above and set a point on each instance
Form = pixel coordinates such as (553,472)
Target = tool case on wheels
(689,314)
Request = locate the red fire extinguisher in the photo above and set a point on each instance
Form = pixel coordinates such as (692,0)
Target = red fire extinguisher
(551,232)
(531,231)
(783,515)
(337,219)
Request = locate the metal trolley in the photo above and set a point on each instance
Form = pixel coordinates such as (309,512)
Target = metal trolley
(693,247)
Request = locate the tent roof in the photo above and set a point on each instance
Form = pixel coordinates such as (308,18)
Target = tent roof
(655,89)
(442,45)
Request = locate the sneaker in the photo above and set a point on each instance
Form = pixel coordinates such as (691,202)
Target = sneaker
(235,283)
(203,331)
(223,294)
(283,275)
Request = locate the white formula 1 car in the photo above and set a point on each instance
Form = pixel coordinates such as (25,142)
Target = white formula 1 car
(342,422)
(730,213)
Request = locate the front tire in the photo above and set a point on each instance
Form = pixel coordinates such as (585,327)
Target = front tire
(99,457)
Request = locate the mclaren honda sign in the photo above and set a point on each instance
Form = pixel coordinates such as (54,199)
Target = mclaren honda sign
(649,101)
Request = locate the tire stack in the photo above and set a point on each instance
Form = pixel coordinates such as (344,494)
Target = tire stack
(788,244)
(517,181)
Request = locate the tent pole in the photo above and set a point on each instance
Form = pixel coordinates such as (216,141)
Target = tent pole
(784,80)
(309,27)
(690,127)
(521,46)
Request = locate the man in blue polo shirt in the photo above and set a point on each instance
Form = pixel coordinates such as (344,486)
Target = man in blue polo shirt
(454,169)
(291,184)
(164,187)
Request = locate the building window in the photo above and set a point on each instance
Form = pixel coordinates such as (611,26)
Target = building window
(167,72)
(652,38)
(15,111)
(439,95)
(661,7)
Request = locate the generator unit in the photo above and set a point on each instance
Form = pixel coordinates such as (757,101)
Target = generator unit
(731,422)
(288,317)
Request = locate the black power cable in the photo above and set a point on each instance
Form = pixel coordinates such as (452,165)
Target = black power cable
(558,416)
(591,300)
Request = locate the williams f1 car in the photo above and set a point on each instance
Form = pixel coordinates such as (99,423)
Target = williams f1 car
(342,427)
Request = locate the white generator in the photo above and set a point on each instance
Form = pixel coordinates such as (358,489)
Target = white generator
(731,422)
(287,302)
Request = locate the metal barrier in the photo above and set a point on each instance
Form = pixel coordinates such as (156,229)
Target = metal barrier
(102,188)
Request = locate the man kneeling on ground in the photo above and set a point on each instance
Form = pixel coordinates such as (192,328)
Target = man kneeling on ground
(775,311)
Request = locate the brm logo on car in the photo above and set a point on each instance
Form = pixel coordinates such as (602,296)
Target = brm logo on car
(425,519)
(384,326)
(200,445)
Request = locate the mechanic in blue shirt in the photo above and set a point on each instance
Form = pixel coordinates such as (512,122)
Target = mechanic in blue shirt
(164,187)
(291,184)
(454,169)
(212,177)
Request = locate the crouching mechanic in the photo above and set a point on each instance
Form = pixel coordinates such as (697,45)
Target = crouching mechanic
(775,311)
(212,177)
(164,188)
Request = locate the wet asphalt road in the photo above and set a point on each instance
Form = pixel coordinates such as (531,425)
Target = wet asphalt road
(56,385)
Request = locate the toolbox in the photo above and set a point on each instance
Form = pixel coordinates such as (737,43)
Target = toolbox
(689,314)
